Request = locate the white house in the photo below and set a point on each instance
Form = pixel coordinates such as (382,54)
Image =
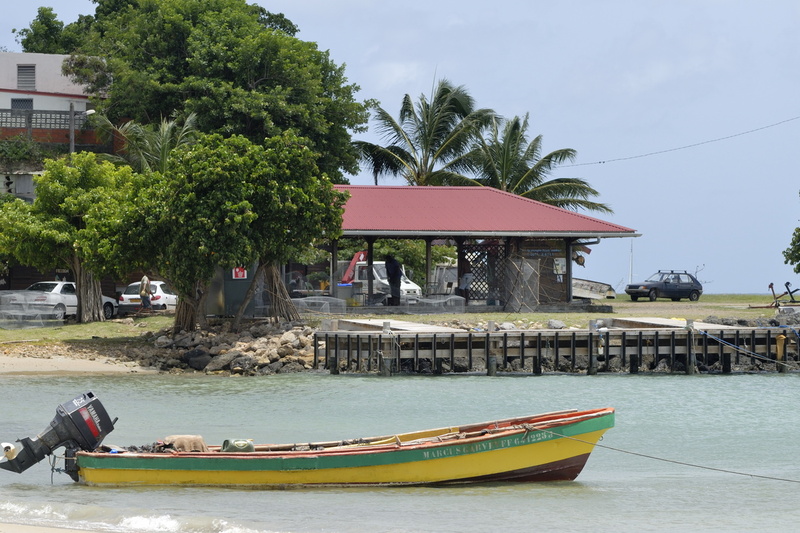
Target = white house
(38,102)
(34,82)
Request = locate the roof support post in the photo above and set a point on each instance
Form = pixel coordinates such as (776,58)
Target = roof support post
(334,285)
(568,273)
(428,260)
(370,270)
(463,268)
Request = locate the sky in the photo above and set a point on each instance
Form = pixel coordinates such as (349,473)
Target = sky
(685,114)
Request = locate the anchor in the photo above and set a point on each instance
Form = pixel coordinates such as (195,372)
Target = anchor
(789,291)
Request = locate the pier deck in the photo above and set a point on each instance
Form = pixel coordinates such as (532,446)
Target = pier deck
(632,345)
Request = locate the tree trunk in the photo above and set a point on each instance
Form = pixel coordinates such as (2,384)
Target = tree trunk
(188,310)
(281,305)
(248,296)
(89,293)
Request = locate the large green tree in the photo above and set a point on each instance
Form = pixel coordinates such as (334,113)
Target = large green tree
(59,229)
(791,255)
(235,65)
(224,202)
(48,35)
(424,145)
(505,159)
(297,208)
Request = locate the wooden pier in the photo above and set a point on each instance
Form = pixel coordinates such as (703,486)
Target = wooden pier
(626,345)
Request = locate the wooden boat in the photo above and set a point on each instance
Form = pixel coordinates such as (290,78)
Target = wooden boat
(547,447)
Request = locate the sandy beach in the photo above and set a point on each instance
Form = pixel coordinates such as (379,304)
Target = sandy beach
(27,358)
(61,364)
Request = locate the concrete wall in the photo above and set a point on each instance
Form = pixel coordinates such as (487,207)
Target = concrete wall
(48,73)
(54,92)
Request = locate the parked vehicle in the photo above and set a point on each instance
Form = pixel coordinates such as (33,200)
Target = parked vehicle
(357,273)
(161,297)
(58,299)
(675,284)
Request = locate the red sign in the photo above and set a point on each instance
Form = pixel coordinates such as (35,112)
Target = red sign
(239,273)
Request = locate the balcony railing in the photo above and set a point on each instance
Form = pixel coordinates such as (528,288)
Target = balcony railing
(26,119)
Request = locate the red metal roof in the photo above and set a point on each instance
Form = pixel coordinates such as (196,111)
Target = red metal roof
(463,211)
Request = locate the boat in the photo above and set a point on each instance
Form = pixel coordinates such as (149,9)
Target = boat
(546,447)
(585,289)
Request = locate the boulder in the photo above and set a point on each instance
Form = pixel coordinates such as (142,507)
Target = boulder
(291,368)
(222,361)
(196,358)
(242,364)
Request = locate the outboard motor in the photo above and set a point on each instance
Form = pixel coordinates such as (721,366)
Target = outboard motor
(80,424)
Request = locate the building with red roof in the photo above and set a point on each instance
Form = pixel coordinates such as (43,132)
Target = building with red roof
(517,252)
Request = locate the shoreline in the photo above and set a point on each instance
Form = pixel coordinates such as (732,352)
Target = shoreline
(20,528)
(21,365)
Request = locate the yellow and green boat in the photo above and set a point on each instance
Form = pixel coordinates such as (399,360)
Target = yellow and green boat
(546,447)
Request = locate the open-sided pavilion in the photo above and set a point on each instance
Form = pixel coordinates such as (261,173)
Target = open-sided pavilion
(519,251)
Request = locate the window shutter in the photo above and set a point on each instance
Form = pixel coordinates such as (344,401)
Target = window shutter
(26,77)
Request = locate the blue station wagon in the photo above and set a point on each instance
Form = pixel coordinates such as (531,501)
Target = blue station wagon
(674,284)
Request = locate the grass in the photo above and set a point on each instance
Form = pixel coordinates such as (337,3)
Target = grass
(130,331)
(748,306)
(112,331)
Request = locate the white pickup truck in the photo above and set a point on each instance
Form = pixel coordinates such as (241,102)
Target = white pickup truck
(409,291)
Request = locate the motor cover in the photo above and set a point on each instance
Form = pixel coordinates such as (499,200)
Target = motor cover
(80,424)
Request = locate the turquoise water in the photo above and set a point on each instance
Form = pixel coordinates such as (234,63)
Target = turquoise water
(747,424)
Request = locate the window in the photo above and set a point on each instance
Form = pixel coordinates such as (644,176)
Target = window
(22,104)
(68,288)
(26,77)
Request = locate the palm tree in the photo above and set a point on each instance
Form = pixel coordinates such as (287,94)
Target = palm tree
(427,140)
(147,148)
(507,161)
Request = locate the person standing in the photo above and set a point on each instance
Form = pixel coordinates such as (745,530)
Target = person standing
(144,292)
(394,271)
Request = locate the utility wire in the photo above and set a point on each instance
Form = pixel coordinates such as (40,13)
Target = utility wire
(682,147)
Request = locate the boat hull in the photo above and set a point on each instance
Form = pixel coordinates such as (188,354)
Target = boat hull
(541,448)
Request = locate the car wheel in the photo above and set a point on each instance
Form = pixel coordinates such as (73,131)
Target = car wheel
(653,295)
(634,298)
(108,310)
(694,296)
(60,311)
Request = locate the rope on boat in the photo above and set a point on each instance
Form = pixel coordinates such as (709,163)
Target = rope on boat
(53,469)
(673,461)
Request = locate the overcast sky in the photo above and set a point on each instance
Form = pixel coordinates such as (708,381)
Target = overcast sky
(684,113)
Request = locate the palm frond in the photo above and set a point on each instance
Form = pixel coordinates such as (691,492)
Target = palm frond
(506,160)
(427,136)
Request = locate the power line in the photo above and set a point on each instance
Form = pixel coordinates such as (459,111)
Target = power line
(682,147)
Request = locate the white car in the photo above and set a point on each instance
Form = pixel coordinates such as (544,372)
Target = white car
(161,297)
(57,299)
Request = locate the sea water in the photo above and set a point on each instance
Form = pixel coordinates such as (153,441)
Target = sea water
(701,453)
